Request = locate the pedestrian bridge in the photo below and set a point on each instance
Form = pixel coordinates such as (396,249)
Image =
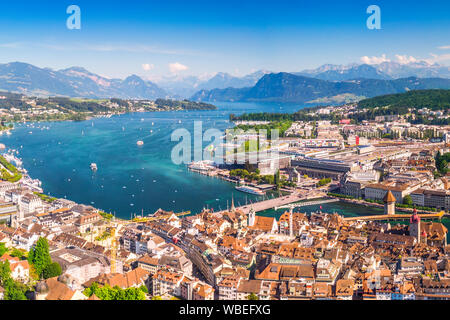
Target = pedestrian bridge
(311,203)
(396,217)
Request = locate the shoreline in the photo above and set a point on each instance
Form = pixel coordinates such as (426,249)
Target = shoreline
(108,115)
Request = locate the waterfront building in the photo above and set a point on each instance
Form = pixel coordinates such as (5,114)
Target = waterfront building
(5,186)
(268,162)
(8,211)
(377,191)
(323,168)
(28,204)
(86,222)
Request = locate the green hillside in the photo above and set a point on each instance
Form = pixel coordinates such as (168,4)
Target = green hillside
(432,99)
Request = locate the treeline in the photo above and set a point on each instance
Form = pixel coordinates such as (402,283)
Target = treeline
(120,102)
(62,103)
(9,172)
(435,99)
(255,176)
(116,293)
(183,104)
(306,114)
(73,105)
(281,126)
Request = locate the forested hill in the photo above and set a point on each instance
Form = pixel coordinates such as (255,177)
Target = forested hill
(286,87)
(436,99)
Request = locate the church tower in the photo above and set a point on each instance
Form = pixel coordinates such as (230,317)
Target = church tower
(251,217)
(389,203)
(414,226)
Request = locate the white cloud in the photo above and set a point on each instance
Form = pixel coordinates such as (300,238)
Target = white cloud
(177,67)
(444,47)
(405,59)
(11,45)
(374,59)
(147,66)
(436,58)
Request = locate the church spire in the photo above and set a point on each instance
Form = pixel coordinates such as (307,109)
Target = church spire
(251,217)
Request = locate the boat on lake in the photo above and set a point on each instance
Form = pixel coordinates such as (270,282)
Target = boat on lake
(250,190)
(204,165)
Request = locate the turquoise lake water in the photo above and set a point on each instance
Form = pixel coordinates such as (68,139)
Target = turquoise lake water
(130,179)
(133,179)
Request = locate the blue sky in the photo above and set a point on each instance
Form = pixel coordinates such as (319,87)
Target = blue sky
(158,38)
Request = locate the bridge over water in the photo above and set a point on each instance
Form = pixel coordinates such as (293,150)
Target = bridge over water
(284,200)
(396,217)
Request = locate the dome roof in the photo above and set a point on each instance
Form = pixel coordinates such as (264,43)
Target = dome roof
(389,197)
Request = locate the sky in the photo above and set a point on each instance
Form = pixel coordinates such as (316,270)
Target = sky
(156,39)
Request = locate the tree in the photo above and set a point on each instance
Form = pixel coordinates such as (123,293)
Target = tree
(3,249)
(14,290)
(324,181)
(116,293)
(39,256)
(16,253)
(276,179)
(5,272)
(252,296)
(408,200)
(52,270)
(143,289)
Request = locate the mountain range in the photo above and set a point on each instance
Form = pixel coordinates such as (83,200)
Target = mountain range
(326,84)
(187,86)
(386,71)
(73,82)
(287,87)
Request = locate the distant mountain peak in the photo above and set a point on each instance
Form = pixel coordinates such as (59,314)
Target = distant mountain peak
(73,82)
(287,87)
